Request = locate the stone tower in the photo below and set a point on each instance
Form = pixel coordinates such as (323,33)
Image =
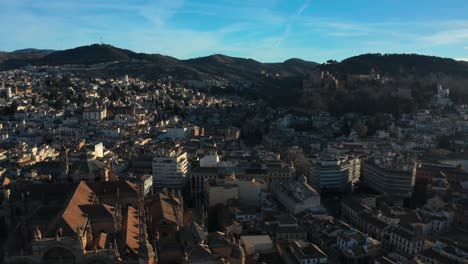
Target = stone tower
(146,254)
(238,254)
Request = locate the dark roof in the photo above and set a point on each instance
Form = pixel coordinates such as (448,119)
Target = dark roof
(430,253)
(384,260)
(200,252)
(355,205)
(42,192)
(193,233)
(407,235)
(286,219)
(165,208)
(110,187)
(218,240)
(98,211)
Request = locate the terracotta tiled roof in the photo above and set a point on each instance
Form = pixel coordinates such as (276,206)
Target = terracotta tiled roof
(164,208)
(100,241)
(72,217)
(132,231)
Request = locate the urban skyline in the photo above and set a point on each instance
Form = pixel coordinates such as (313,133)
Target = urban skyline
(351,148)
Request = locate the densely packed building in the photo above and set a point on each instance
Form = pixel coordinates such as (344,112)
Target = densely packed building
(122,170)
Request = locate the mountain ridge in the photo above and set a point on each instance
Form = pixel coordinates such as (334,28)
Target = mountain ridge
(236,68)
(213,65)
(33,50)
(293,83)
(107,47)
(24,54)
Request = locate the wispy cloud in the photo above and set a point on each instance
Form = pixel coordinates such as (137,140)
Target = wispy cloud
(159,11)
(283,36)
(243,11)
(351,29)
(446,37)
(303,8)
(234,28)
(292,20)
(265,30)
(430,34)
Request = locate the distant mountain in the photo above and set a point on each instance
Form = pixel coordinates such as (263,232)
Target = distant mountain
(150,66)
(85,55)
(297,66)
(412,85)
(249,68)
(98,53)
(219,65)
(24,54)
(25,51)
(398,64)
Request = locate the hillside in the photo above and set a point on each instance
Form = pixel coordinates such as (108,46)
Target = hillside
(87,55)
(248,68)
(25,54)
(25,51)
(413,78)
(97,53)
(236,68)
(151,66)
(398,64)
(408,82)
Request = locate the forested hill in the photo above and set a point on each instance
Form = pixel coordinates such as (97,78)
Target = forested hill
(407,83)
(398,64)
(408,80)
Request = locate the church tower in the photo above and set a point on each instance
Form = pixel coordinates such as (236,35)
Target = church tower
(146,253)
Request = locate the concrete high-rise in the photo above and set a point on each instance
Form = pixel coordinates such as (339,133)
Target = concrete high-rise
(330,172)
(391,176)
(171,170)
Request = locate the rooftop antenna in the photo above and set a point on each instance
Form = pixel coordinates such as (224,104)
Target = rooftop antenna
(102,43)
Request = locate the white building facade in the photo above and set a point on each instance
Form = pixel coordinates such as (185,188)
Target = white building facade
(171,171)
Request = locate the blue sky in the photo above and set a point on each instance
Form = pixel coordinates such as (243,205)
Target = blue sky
(266,30)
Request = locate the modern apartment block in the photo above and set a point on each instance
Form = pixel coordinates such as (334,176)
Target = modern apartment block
(171,170)
(331,172)
(296,196)
(392,176)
